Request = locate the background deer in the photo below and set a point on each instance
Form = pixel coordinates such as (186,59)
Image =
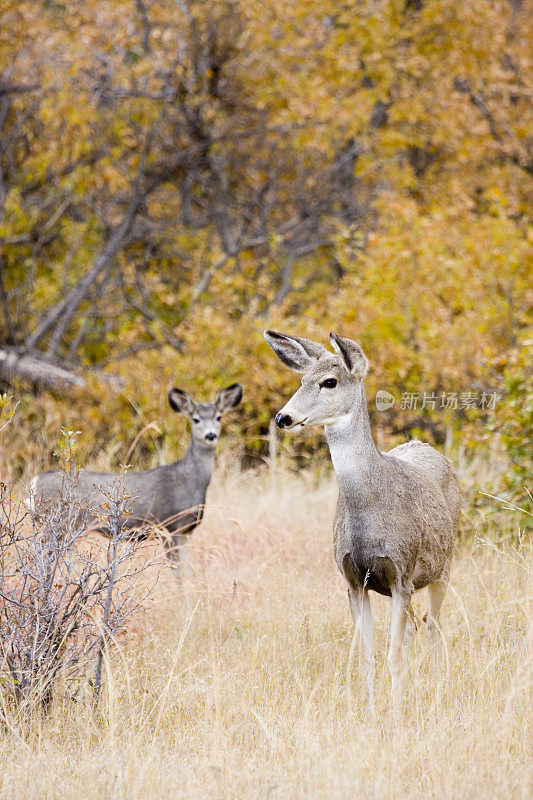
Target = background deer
(170,497)
(397,512)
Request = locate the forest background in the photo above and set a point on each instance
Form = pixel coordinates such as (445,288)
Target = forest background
(177,176)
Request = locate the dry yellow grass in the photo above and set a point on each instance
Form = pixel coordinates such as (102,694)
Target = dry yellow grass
(237,684)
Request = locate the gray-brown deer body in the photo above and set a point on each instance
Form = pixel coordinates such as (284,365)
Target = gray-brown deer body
(397,512)
(171,497)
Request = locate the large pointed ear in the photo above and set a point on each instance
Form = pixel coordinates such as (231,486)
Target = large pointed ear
(180,401)
(351,355)
(229,398)
(296,353)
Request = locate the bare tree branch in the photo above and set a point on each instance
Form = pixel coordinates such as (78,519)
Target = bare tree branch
(146,27)
(523,161)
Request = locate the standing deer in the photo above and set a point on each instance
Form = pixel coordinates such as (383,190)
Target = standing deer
(170,497)
(397,512)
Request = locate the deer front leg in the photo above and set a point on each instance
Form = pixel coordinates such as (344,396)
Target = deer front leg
(176,553)
(400,605)
(411,627)
(362,617)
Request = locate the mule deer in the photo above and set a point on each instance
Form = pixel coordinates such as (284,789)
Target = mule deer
(397,512)
(170,497)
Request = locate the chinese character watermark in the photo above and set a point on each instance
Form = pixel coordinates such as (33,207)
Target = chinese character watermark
(485,401)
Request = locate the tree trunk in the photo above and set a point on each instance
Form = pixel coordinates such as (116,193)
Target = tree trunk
(36,370)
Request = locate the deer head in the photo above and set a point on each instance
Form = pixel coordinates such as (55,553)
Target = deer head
(330,381)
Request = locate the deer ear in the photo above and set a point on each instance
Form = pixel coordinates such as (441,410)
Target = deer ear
(295,352)
(229,398)
(181,402)
(351,355)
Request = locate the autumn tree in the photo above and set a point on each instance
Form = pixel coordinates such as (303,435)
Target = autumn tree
(175,175)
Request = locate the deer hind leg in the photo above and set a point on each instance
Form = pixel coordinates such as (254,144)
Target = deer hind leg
(362,617)
(436,591)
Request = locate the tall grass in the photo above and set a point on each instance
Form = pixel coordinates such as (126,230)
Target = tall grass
(236,684)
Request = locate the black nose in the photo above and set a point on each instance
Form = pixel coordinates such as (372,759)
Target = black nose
(210,437)
(283,420)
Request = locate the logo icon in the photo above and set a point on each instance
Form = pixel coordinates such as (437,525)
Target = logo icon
(384,400)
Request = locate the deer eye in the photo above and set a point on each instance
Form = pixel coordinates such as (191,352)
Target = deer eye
(219,418)
(329,383)
(195,420)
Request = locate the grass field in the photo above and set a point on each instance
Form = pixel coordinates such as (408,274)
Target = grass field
(236,684)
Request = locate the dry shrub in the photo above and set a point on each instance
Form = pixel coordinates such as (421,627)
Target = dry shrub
(63,596)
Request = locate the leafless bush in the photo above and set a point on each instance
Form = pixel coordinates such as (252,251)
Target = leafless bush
(63,597)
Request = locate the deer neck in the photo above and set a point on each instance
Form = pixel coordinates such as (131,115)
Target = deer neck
(355,457)
(200,461)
